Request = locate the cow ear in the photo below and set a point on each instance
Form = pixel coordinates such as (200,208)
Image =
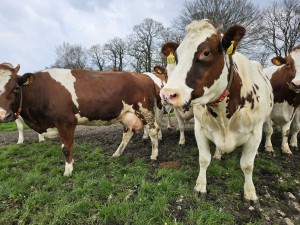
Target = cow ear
(17,68)
(278,61)
(159,69)
(26,79)
(168,50)
(232,37)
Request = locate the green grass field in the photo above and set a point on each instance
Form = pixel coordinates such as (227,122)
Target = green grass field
(103,190)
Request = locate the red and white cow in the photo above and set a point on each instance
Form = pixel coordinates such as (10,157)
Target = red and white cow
(229,94)
(285,81)
(64,98)
(182,115)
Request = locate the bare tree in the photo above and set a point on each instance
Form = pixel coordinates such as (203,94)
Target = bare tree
(144,44)
(97,57)
(70,56)
(224,13)
(280,27)
(116,50)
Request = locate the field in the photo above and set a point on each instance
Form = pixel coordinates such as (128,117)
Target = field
(132,189)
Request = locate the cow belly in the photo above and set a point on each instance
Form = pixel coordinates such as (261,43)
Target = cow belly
(228,141)
(282,113)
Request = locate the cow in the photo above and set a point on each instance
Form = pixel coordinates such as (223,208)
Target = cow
(285,80)
(50,133)
(64,98)
(230,96)
(182,115)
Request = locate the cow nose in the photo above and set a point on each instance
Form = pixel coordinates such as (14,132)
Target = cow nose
(295,86)
(8,116)
(170,96)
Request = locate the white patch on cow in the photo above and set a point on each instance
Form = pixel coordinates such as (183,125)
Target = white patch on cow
(65,77)
(5,76)
(50,133)
(2,113)
(270,70)
(280,116)
(296,57)
(156,80)
(68,168)
(62,145)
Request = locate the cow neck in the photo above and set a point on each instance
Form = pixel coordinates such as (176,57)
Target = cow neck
(225,93)
(17,114)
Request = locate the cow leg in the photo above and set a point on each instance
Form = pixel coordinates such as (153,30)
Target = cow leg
(41,138)
(295,130)
(153,129)
(145,135)
(285,131)
(66,133)
(19,123)
(169,124)
(204,158)
(159,117)
(127,134)
(247,165)
(268,130)
(218,154)
(181,128)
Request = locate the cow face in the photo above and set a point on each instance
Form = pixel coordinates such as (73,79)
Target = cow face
(201,73)
(290,68)
(10,91)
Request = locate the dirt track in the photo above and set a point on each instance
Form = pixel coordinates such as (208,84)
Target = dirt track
(278,205)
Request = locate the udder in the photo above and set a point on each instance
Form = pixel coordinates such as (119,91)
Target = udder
(132,122)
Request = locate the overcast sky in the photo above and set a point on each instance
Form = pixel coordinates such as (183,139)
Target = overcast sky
(30,30)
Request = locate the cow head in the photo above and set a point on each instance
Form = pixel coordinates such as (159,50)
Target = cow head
(200,75)
(291,68)
(10,91)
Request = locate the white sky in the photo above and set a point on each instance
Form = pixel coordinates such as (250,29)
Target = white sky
(30,30)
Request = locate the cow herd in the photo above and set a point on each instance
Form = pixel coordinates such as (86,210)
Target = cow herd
(231,98)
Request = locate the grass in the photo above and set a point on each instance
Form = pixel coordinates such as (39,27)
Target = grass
(10,126)
(100,191)
(115,191)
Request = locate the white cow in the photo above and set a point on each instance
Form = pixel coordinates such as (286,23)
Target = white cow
(229,94)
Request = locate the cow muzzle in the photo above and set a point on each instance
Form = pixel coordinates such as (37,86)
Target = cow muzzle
(170,97)
(6,117)
(295,86)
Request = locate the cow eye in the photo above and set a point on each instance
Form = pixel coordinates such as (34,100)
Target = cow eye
(16,90)
(206,53)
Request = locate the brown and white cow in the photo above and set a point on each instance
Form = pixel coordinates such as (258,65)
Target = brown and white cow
(229,94)
(182,115)
(64,98)
(285,81)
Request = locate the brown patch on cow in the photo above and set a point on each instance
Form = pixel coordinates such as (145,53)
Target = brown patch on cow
(114,88)
(170,47)
(280,81)
(205,69)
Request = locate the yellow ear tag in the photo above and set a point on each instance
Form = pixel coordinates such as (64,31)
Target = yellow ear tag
(171,58)
(230,49)
(277,62)
(26,82)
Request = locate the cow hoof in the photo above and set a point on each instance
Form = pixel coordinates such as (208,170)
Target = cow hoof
(287,153)
(294,148)
(115,155)
(252,204)
(202,195)
(67,173)
(181,145)
(153,157)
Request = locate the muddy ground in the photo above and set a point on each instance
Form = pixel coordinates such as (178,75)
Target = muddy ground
(278,204)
